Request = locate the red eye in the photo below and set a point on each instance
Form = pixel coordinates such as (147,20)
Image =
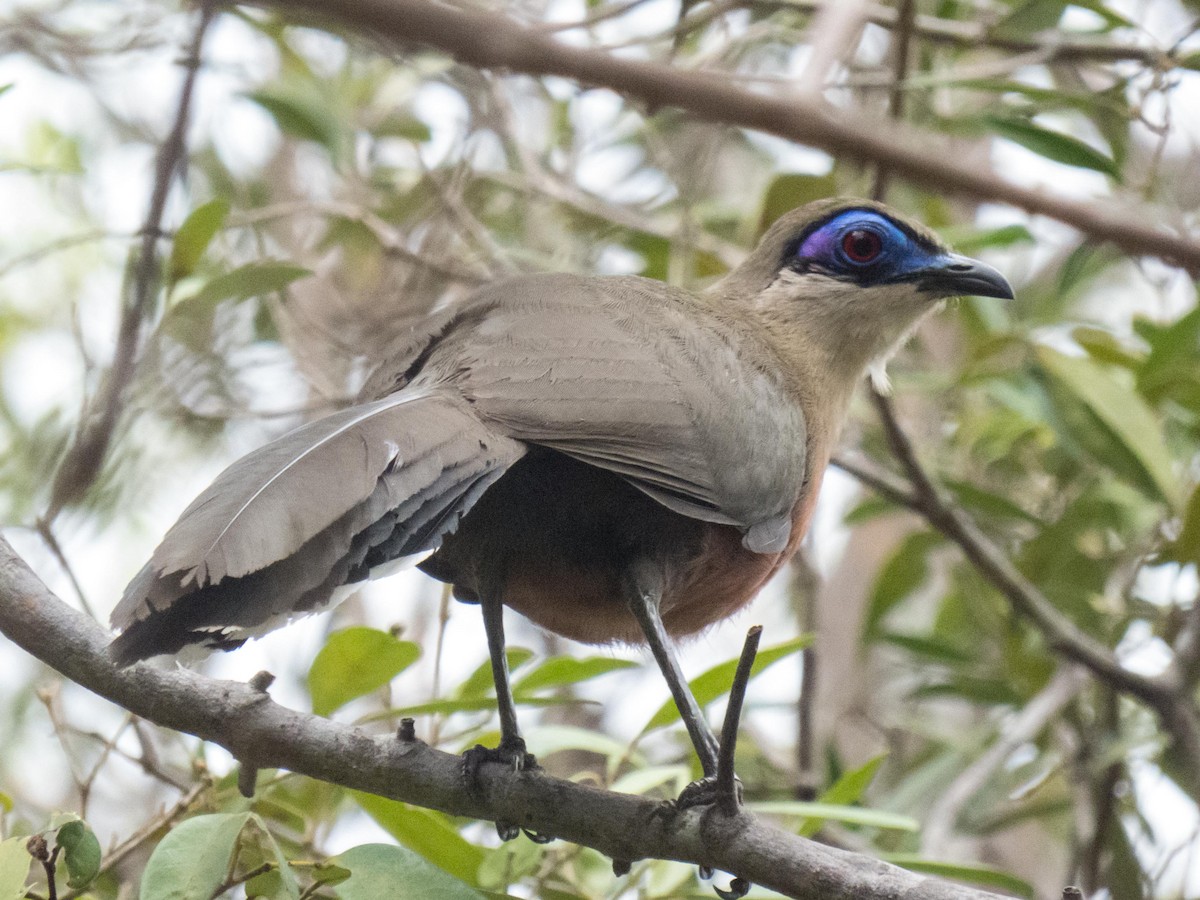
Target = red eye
(861,245)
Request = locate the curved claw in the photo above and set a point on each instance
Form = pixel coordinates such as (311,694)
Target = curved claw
(513,755)
(703,792)
(738,888)
(507,831)
(538,838)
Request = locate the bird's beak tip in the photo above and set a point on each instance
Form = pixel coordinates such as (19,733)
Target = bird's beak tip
(956,275)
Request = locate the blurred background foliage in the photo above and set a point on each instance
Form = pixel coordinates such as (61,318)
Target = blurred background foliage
(336,188)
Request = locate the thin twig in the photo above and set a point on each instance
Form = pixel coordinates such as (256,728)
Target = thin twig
(82,463)
(1187,646)
(881,482)
(804,587)
(106,750)
(901,41)
(1051,48)
(57,246)
(147,832)
(940,821)
(727,794)
(46,531)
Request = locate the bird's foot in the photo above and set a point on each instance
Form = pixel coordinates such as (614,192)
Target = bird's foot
(705,792)
(511,753)
(514,755)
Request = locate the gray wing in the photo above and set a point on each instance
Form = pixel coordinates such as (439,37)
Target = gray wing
(285,525)
(638,378)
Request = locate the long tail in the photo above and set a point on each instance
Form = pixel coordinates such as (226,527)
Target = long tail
(282,528)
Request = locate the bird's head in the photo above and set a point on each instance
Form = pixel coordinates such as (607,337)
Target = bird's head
(854,277)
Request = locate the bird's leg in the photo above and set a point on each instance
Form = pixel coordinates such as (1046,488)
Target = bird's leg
(643,593)
(512,746)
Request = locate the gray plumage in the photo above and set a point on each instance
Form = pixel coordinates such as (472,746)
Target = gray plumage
(616,373)
(575,427)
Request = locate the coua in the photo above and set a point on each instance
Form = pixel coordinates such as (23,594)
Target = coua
(613,458)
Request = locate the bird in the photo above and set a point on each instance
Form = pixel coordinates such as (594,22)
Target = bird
(616,459)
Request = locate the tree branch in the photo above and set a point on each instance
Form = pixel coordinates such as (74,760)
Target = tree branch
(1053,47)
(261,733)
(491,41)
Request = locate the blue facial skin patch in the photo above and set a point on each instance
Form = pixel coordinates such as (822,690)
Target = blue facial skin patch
(899,256)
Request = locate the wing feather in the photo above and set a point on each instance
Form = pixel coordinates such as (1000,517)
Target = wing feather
(638,378)
(279,529)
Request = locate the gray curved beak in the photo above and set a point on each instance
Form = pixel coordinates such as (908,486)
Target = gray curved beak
(954,275)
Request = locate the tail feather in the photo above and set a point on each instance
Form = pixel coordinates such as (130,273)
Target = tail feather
(281,529)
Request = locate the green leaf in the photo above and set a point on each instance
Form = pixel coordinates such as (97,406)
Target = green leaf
(560,670)
(401,125)
(871,507)
(1186,548)
(851,786)
(251,280)
(976,498)
(270,885)
(280,883)
(981,875)
(790,190)
(1105,347)
(978,690)
(425,832)
(191,862)
(329,873)
(354,662)
(1172,369)
(303,117)
(1029,18)
(1053,145)
(655,251)
(1111,18)
(193,237)
(931,648)
(716,682)
(904,572)
(486,703)
(14,868)
(1123,412)
(1005,236)
(642,781)
(81,850)
(384,870)
(848,789)
(510,863)
(824,812)
(544,740)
